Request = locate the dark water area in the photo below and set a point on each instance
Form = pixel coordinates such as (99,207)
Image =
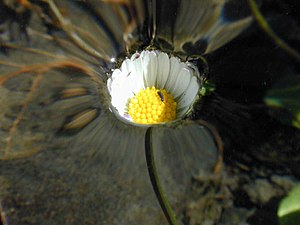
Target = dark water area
(67,158)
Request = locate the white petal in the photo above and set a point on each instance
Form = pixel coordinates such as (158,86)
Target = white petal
(135,56)
(119,103)
(163,70)
(139,72)
(188,96)
(129,66)
(124,67)
(145,61)
(132,81)
(120,96)
(152,69)
(182,82)
(174,70)
(121,91)
(111,80)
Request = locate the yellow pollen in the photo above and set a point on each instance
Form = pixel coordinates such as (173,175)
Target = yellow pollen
(151,105)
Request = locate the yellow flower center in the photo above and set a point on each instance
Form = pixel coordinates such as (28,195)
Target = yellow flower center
(151,105)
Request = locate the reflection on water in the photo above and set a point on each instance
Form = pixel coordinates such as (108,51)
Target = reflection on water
(66,159)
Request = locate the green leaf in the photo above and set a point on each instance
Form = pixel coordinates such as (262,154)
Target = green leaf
(207,88)
(286,95)
(289,208)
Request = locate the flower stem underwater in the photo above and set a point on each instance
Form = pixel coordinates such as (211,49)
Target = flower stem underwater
(161,196)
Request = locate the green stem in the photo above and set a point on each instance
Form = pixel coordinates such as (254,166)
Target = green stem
(268,30)
(161,196)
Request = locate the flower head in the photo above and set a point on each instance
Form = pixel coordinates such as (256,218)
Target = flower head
(152,87)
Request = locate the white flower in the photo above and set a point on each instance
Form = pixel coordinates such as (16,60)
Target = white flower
(153,69)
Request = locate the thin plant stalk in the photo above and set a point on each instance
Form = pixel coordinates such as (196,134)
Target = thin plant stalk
(268,30)
(160,194)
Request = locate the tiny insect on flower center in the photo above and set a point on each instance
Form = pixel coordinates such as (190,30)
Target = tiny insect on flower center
(151,106)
